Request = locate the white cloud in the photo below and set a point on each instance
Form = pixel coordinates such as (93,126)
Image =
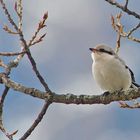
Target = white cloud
(116,134)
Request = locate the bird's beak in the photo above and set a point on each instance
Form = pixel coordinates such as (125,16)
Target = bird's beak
(93,50)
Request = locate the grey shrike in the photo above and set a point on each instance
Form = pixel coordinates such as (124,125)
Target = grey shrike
(110,71)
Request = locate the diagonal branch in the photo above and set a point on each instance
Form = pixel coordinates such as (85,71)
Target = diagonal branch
(32,61)
(37,121)
(2,128)
(123,8)
(8,15)
(133,29)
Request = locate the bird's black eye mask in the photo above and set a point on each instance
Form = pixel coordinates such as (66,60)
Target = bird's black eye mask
(105,51)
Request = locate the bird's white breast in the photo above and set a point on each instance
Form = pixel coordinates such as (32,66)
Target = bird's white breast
(111,74)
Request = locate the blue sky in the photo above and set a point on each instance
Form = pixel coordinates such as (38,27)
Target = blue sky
(65,62)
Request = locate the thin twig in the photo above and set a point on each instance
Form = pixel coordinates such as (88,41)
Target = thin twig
(12,53)
(37,121)
(4,95)
(41,25)
(8,15)
(120,30)
(133,29)
(2,64)
(118,27)
(9,136)
(20,8)
(132,38)
(118,42)
(8,30)
(125,105)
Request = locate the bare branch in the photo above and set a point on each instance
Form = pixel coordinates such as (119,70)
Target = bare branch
(8,30)
(18,87)
(133,29)
(8,15)
(25,46)
(41,25)
(12,53)
(38,40)
(71,98)
(37,120)
(4,95)
(19,11)
(118,27)
(9,136)
(126,4)
(2,64)
(124,8)
(32,61)
(125,105)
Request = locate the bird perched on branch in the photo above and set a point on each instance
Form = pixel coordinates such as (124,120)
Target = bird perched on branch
(110,71)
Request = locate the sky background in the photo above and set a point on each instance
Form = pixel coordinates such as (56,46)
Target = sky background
(64,60)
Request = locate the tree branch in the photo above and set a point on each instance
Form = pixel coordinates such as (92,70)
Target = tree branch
(33,63)
(133,29)
(2,128)
(37,121)
(18,87)
(118,27)
(71,98)
(8,15)
(11,53)
(123,8)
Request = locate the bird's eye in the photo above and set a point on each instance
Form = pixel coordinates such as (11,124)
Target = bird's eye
(105,51)
(101,50)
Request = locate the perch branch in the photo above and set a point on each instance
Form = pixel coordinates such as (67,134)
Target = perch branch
(71,98)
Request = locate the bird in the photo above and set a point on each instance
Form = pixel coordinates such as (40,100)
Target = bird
(110,71)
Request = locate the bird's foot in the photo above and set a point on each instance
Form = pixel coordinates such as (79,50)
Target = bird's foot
(106,93)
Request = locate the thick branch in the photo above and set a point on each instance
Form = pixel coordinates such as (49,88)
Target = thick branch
(124,8)
(18,87)
(97,99)
(71,98)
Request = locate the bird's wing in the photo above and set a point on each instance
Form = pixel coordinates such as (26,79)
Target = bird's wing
(132,74)
(132,77)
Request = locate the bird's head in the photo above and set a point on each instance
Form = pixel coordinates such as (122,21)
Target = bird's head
(101,52)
